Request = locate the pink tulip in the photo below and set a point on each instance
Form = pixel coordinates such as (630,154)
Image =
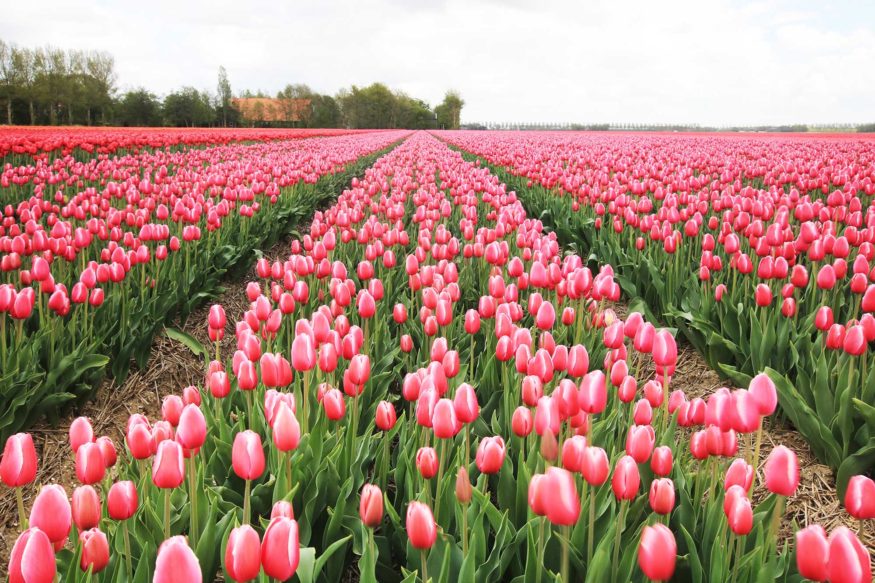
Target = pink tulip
(19,463)
(243,554)
(32,559)
(176,563)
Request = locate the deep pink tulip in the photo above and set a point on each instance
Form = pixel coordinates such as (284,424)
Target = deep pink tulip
(421,527)
(371,506)
(626,480)
(168,469)
(19,463)
(657,552)
(860,498)
(490,455)
(782,471)
(32,559)
(812,553)
(176,562)
(121,501)
(95,550)
(247,455)
(51,513)
(849,560)
(243,554)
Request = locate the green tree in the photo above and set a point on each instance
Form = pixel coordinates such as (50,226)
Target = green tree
(139,108)
(370,107)
(449,112)
(224,95)
(325,112)
(188,107)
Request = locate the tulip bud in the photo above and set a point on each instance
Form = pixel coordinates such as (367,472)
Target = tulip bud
(80,433)
(464,491)
(661,460)
(740,516)
(427,462)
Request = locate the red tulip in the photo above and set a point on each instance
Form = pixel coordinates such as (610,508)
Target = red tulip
(444,422)
(121,501)
(763,295)
(19,463)
(95,550)
(782,471)
(51,513)
(386,416)
(849,560)
(766,395)
(657,552)
(812,553)
(243,554)
(521,422)
(32,559)
(334,404)
(371,506)
(421,527)
(572,453)
(107,451)
(665,350)
(176,562)
(171,409)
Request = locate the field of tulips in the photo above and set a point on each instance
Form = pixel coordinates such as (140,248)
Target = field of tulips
(17,144)
(761,250)
(97,253)
(430,388)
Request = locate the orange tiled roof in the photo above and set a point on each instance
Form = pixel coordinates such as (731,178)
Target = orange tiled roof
(266,109)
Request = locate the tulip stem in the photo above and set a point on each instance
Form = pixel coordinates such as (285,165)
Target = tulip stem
(591,534)
(566,534)
(756,452)
(424,559)
(128,550)
(620,524)
(777,511)
(246,502)
(465,530)
(249,409)
(540,550)
(288,464)
(739,547)
(384,463)
(192,489)
(22,517)
(166,513)
(440,476)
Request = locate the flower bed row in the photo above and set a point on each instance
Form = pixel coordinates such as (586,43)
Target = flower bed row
(429,388)
(760,250)
(95,256)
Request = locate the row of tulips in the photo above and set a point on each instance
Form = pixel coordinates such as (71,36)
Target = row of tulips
(430,388)
(96,255)
(761,250)
(18,143)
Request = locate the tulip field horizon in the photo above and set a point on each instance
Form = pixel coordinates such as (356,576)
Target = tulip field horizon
(436,356)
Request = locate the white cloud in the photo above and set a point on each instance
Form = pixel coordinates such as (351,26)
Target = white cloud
(707,61)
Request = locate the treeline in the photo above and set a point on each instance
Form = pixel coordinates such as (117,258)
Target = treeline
(51,86)
(642,127)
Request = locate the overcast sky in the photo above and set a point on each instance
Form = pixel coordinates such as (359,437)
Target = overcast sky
(717,62)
